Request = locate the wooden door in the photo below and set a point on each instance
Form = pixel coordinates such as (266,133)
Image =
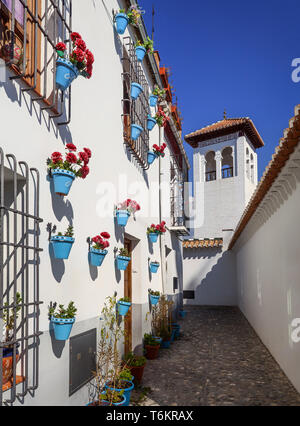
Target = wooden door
(128,293)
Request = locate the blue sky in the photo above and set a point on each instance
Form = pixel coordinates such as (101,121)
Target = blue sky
(230,54)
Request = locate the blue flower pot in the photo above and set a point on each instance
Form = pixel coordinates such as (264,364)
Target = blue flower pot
(182,314)
(158,339)
(136,90)
(123,308)
(173,335)
(62,246)
(176,327)
(154,299)
(121,20)
(150,123)
(122,262)
(118,403)
(62,180)
(140,52)
(153,100)
(8,352)
(165,344)
(151,157)
(154,267)
(136,131)
(96,256)
(153,237)
(122,217)
(126,394)
(62,327)
(66,72)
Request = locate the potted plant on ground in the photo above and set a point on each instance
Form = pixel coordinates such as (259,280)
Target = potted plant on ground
(182,313)
(123,259)
(64,171)
(141,48)
(154,297)
(122,384)
(161,321)
(98,250)
(123,18)
(79,62)
(154,231)
(9,319)
(123,306)
(125,209)
(109,367)
(158,151)
(136,364)
(151,346)
(154,267)
(62,320)
(176,327)
(157,96)
(62,244)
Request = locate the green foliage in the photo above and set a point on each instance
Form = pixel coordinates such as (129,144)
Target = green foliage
(125,375)
(159,92)
(133,360)
(152,292)
(113,397)
(124,252)
(147,44)
(10,315)
(69,232)
(149,340)
(125,299)
(61,312)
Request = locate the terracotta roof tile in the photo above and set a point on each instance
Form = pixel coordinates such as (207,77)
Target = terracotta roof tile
(203,243)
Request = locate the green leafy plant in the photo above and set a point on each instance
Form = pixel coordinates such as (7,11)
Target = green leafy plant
(147,44)
(9,317)
(154,293)
(61,312)
(113,397)
(124,252)
(125,299)
(69,232)
(162,318)
(149,340)
(161,93)
(133,360)
(125,375)
(134,13)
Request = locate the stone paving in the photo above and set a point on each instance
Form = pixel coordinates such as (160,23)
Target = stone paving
(218,360)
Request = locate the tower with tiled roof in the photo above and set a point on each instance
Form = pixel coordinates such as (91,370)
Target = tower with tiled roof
(225,174)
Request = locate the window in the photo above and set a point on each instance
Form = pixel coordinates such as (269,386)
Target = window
(188,294)
(135,112)
(227,163)
(210,169)
(178,177)
(252,168)
(247,163)
(28,36)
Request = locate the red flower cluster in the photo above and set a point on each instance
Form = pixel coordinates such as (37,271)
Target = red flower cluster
(130,205)
(159,150)
(161,118)
(100,241)
(81,57)
(157,229)
(71,160)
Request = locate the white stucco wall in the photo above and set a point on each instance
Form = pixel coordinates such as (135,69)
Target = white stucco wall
(96,123)
(268,269)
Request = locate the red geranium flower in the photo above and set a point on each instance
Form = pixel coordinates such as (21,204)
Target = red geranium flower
(105,244)
(61,46)
(71,158)
(75,36)
(89,57)
(83,157)
(84,171)
(80,44)
(88,152)
(71,147)
(79,55)
(105,235)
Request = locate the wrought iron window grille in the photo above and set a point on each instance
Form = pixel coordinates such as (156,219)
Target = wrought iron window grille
(19,273)
(50,21)
(135,111)
(209,176)
(178,177)
(227,172)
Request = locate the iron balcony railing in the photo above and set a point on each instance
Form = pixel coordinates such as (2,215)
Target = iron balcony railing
(227,173)
(209,176)
(178,178)
(19,273)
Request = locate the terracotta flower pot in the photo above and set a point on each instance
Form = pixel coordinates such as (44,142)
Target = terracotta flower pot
(152,351)
(7,368)
(137,372)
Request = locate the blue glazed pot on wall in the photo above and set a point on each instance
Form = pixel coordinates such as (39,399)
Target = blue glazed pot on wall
(136,90)
(62,246)
(123,308)
(154,299)
(153,100)
(66,73)
(151,157)
(136,131)
(140,52)
(62,327)
(122,217)
(154,267)
(121,20)
(96,256)
(151,122)
(62,180)
(153,237)
(122,262)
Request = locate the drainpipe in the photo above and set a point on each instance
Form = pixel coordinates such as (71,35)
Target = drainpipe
(161,245)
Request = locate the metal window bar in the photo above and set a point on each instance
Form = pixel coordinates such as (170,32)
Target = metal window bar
(60,12)
(209,176)
(135,112)
(227,173)
(19,272)
(178,177)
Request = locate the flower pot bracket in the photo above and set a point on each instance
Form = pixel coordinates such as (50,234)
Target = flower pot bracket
(51,230)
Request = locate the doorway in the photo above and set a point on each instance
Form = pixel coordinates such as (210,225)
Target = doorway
(128,293)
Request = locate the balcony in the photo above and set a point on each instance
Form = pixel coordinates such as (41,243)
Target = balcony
(227,173)
(209,176)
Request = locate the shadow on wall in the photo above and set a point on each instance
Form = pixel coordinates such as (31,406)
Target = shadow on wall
(216,287)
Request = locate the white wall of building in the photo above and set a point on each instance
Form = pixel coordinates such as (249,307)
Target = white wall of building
(268,269)
(96,123)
